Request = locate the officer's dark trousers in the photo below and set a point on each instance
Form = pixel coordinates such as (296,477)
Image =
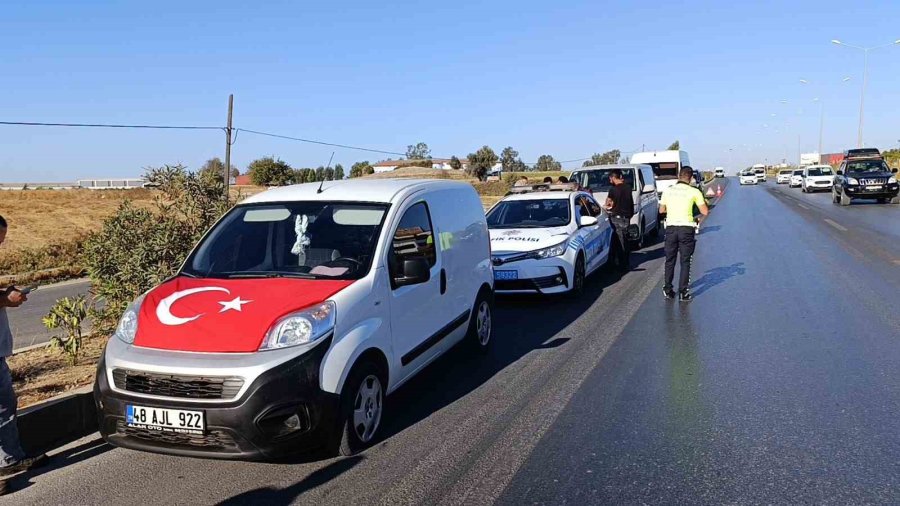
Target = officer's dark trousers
(620,249)
(679,241)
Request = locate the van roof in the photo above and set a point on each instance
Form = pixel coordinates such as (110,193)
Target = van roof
(353,190)
(612,166)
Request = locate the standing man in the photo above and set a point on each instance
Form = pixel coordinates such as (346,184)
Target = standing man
(620,205)
(12,458)
(678,203)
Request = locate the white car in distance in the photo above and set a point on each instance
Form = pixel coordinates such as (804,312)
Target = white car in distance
(784,176)
(817,177)
(796,179)
(547,239)
(748,177)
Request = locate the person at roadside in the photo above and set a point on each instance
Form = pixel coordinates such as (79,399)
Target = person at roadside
(678,203)
(548,180)
(12,457)
(620,205)
(522,181)
(562,180)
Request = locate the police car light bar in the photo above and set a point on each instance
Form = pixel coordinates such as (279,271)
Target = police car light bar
(545,187)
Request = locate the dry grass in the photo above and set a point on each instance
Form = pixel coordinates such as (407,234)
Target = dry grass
(43,373)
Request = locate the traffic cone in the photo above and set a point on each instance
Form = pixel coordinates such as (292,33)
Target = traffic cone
(710,192)
(718,191)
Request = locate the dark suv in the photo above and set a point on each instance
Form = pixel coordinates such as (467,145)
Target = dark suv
(865,175)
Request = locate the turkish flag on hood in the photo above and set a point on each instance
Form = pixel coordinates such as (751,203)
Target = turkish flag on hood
(223,315)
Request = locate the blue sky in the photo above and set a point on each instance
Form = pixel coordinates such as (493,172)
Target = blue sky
(563,78)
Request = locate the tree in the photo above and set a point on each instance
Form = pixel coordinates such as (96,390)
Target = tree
(611,156)
(338,172)
(358,169)
(214,167)
(269,171)
(329,174)
(481,161)
(508,158)
(546,163)
(675,146)
(320,174)
(455,164)
(419,151)
(368,169)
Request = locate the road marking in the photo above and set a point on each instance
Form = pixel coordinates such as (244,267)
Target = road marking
(836,225)
(801,205)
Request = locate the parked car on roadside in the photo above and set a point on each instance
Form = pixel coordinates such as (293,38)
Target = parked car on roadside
(640,177)
(294,317)
(817,177)
(864,175)
(547,239)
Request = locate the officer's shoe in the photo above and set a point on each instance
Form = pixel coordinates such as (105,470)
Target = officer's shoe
(24,465)
(668,294)
(685,296)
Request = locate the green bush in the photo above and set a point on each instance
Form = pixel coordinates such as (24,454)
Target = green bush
(69,315)
(269,171)
(137,248)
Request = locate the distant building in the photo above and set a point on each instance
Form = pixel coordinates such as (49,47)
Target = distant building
(111,184)
(832,158)
(35,186)
(809,159)
(243,180)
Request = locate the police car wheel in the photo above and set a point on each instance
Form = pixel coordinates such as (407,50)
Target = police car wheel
(481,323)
(578,277)
(362,407)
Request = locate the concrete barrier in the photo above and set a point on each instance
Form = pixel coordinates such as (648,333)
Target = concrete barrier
(57,421)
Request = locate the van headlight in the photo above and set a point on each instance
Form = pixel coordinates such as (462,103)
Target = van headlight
(301,327)
(852,180)
(553,251)
(128,323)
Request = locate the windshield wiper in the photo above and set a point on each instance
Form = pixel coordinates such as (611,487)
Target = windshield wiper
(188,275)
(248,275)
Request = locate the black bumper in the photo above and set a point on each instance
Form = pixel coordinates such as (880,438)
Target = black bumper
(249,428)
(888,191)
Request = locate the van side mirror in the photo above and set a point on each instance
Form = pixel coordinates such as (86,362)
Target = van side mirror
(893,171)
(415,270)
(587,221)
(840,173)
(648,188)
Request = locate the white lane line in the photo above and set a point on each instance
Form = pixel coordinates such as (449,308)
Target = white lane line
(836,225)
(804,207)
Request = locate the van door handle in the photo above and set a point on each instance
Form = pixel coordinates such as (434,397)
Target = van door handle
(443,281)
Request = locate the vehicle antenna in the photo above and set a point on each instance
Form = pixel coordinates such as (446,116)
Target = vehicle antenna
(323,175)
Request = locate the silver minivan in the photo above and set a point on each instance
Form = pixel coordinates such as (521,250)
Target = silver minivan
(640,177)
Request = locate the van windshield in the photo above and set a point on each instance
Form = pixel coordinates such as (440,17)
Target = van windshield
(529,214)
(314,240)
(820,171)
(598,180)
(665,170)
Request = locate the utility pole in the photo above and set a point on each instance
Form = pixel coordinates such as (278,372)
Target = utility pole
(228,145)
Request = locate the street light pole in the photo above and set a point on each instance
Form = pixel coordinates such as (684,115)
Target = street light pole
(821,112)
(862,94)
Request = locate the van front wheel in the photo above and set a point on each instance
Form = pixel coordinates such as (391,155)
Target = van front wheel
(362,407)
(481,323)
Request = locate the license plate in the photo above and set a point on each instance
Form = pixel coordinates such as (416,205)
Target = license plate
(870,188)
(506,275)
(165,420)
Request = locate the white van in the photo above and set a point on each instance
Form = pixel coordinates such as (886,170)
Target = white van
(720,172)
(666,166)
(294,317)
(644,188)
(760,171)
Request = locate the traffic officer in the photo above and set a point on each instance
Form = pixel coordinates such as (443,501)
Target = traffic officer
(678,203)
(620,205)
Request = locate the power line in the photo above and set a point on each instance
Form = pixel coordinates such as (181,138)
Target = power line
(321,143)
(106,125)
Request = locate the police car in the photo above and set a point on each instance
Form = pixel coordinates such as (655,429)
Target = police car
(547,239)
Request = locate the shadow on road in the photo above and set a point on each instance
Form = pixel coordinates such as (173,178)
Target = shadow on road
(287,495)
(61,460)
(710,229)
(717,276)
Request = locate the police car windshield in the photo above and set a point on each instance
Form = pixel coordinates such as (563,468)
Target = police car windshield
(598,180)
(313,240)
(820,172)
(529,214)
(863,166)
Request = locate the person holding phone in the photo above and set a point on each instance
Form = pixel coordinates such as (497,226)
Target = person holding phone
(12,457)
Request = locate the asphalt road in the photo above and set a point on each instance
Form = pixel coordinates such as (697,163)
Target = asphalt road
(25,320)
(777,384)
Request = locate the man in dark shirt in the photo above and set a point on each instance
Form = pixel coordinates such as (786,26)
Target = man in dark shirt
(620,205)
